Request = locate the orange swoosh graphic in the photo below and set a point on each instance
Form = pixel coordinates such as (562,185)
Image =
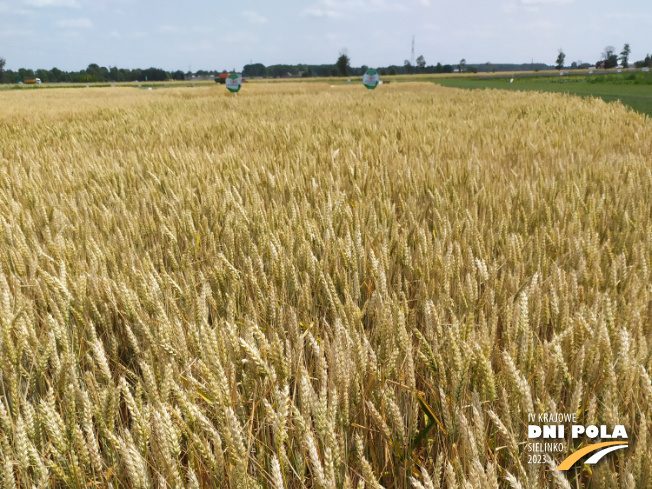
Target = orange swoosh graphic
(568,463)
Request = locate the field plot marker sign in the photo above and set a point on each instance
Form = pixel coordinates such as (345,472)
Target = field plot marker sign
(371,79)
(234,82)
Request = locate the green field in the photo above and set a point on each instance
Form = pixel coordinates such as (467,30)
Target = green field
(633,90)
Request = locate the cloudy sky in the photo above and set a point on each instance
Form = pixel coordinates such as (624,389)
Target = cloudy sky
(210,34)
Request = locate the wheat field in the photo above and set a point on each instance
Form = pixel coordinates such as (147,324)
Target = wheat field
(307,286)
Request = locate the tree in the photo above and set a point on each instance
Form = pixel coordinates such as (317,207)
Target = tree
(56,75)
(462,65)
(560,60)
(610,57)
(421,62)
(408,66)
(256,69)
(25,74)
(392,71)
(624,56)
(3,62)
(343,63)
(114,74)
(43,75)
(155,74)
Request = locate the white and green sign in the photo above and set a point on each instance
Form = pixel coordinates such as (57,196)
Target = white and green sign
(371,79)
(233,82)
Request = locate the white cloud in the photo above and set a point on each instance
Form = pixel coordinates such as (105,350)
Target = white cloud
(169,28)
(14,33)
(254,17)
(81,23)
(321,13)
(541,26)
(53,3)
(543,2)
(240,37)
(510,8)
(127,35)
(627,16)
(335,9)
(334,36)
(7,9)
(196,47)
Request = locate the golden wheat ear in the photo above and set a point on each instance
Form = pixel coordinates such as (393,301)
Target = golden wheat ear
(316,287)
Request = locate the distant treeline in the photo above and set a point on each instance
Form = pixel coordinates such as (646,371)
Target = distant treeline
(645,63)
(92,74)
(98,74)
(304,70)
(495,67)
(95,73)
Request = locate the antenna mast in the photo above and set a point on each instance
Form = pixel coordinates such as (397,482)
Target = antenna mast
(412,57)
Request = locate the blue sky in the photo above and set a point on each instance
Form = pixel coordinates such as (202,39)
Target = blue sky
(209,34)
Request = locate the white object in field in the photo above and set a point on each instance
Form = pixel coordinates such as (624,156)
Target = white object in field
(348,81)
(511,80)
(87,86)
(646,69)
(149,89)
(371,79)
(234,82)
(140,86)
(380,82)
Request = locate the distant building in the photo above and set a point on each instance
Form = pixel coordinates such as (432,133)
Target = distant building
(203,77)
